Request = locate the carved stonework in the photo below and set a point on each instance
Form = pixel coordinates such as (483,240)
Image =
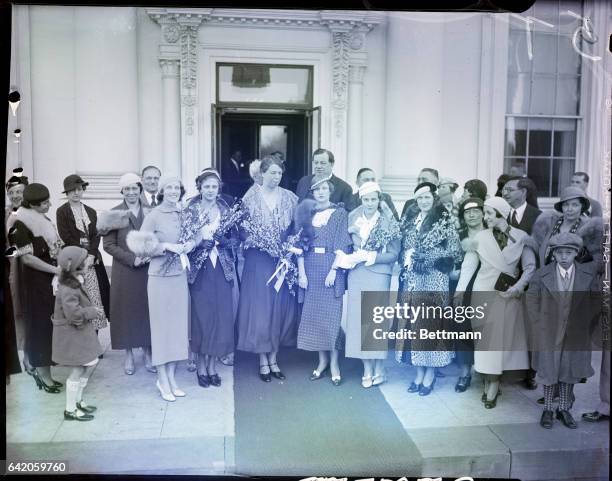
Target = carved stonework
(340,42)
(356,73)
(189,56)
(169,67)
(171,33)
(357,41)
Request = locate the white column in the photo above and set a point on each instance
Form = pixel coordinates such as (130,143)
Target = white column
(171,114)
(355,122)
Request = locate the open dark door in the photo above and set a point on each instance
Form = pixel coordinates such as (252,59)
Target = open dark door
(215,131)
(313,128)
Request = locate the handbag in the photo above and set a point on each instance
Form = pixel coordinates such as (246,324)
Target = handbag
(504,282)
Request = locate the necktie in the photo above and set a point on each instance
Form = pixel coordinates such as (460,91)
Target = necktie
(153,203)
(566,281)
(514,220)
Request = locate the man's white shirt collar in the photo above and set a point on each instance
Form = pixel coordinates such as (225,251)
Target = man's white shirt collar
(565,272)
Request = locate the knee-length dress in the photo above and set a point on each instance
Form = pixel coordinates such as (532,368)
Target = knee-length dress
(375,277)
(319,328)
(167,290)
(35,234)
(435,240)
(266,318)
(211,285)
(129,306)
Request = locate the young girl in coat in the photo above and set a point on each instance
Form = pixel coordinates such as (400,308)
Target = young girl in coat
(75,342)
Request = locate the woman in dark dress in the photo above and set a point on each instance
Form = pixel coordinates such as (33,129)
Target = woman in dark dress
(471,215)
(129,308)
(322,285)
(38,244)
(76,224)
(211,280)
(266,317)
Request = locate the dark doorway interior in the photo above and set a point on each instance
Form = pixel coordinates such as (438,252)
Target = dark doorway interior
(244,137)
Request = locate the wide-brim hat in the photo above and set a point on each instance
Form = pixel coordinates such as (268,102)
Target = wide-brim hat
(565,239)
(72,182)
(570,193)
(16,179)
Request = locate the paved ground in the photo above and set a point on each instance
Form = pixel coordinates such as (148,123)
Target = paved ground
(443,434)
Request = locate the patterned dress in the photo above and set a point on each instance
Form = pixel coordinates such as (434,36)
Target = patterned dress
(322,312)
(266,318)
(428,244)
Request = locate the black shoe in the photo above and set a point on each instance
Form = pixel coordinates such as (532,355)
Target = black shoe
(86,409)
(529,383)
(426,390)
(265,377)
(414,387)
(278,373)
(41,384)
(546,421)
(74,416)
(595,416)
(316,375)
(215,380)
(566,418)
(463,383)
(57,383)
(203,380)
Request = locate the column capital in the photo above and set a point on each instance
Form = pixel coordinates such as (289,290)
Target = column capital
(170,67)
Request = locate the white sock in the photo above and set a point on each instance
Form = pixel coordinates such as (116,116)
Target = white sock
(82,384)
(72,388)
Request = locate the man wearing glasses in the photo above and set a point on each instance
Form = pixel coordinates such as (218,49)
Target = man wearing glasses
(522,216)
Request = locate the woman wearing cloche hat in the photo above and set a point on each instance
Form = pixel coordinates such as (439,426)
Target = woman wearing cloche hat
(129,309)
(76,223)
(569,216)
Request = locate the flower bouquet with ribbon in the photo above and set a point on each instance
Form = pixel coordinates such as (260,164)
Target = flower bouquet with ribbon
(381,235)
(286,269)
(266,238)
(192,222)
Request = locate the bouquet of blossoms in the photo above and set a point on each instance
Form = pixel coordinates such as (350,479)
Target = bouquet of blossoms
(192,221)
(380,236)
(286,269)
(266,238)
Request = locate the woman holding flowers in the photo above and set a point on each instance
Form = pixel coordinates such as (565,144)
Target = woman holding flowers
(212,276)
(375,236)
(163,240)
(266,310)
(322,285)
(430,248)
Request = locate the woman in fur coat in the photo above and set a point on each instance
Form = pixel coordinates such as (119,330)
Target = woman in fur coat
(570,216)
(75,342)
(128,307)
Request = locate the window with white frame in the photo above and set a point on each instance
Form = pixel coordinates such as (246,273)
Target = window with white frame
(543,98)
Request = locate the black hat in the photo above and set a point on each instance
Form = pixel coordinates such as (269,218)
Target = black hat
(425,187)
(16,179)
(35,193)
(72,182)
(470,203)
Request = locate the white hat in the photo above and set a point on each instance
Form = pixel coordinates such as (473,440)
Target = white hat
(500,205)
(128,179)
(167,179)
(368,188)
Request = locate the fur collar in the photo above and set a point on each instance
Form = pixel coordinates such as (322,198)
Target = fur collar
(40,226)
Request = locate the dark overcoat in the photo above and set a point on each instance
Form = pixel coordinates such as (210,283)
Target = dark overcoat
(129,307)
(560,331)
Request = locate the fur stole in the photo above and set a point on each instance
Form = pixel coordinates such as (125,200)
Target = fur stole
(591,230)
(67,278)
(142,243)
(112,220)
(40,226)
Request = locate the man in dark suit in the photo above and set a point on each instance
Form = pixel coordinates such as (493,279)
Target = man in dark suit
(522,216)
(367,175)
(150,176)
(235,174)
(322,167)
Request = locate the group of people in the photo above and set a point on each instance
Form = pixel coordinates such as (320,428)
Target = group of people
(177,290)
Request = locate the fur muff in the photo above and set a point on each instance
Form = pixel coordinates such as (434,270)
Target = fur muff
(143,244)
(303,220)
(112,220)
(469,245)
